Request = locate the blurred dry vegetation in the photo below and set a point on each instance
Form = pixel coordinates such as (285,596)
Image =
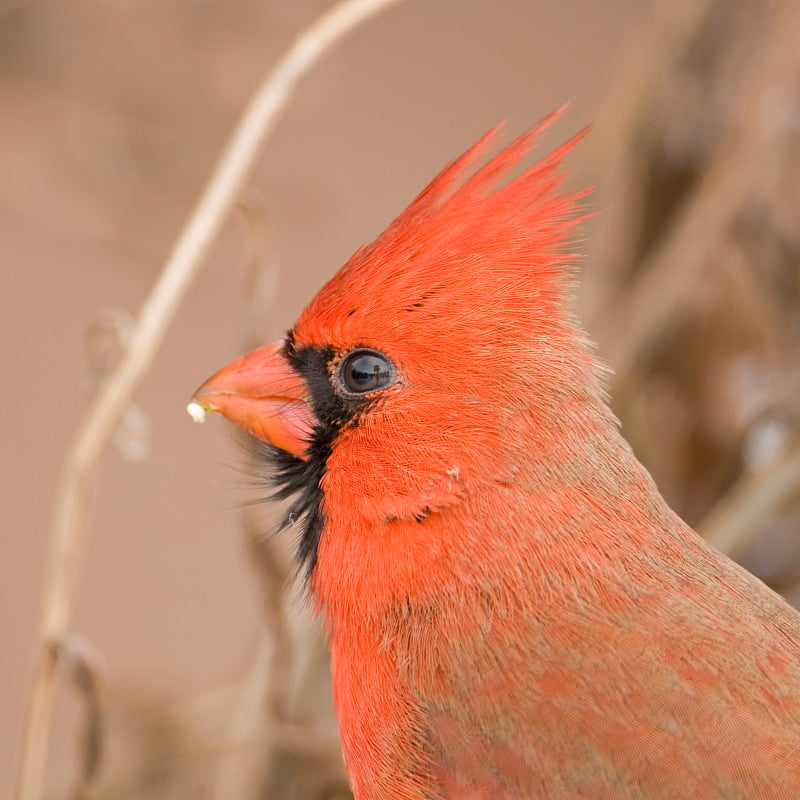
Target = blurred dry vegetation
(691,288)
(697,306)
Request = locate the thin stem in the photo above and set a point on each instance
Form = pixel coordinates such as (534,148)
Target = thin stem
(182,266)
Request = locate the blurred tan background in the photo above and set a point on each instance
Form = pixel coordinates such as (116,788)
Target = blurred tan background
(112,115)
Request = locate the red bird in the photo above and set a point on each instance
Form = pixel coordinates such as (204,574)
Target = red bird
(513,610)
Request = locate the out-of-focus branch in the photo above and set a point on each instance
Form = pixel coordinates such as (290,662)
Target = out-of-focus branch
(261,270)
(740,516)
(617,120)
(671,273)
(156,314)
(257,711)
(77,661)
(248,717)
(612,156)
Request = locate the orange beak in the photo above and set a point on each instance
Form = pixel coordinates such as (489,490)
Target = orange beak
(261,393)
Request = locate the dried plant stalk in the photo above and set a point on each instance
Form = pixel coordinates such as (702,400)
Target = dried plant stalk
(157,312)
(671,271)
(694,290)
(79,663)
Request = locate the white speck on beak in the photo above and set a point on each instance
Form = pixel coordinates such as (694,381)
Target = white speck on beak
(196,412)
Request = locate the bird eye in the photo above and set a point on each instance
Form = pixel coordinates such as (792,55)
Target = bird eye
(364,371)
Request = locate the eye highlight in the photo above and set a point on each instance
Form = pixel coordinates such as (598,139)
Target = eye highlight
(364,370)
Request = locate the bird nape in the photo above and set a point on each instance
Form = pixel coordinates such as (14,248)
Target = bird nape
(513,610)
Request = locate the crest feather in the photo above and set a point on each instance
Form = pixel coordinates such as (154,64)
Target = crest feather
(472,232)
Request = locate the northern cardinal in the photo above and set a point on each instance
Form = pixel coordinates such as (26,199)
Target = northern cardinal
(513,610)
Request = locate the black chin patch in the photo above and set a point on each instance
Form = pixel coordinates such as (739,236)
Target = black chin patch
(300,479)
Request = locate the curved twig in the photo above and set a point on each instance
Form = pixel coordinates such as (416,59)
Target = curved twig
(178,273)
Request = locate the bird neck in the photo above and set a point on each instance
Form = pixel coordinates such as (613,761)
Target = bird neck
(558,506)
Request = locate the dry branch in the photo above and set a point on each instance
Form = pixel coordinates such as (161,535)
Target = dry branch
(606,153)
(156,314)
(671,274)
(78,662)
(612,157)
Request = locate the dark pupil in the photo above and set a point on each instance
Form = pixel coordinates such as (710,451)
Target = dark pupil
(366,372)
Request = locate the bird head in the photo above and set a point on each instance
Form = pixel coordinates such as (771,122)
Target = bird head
(437,362)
